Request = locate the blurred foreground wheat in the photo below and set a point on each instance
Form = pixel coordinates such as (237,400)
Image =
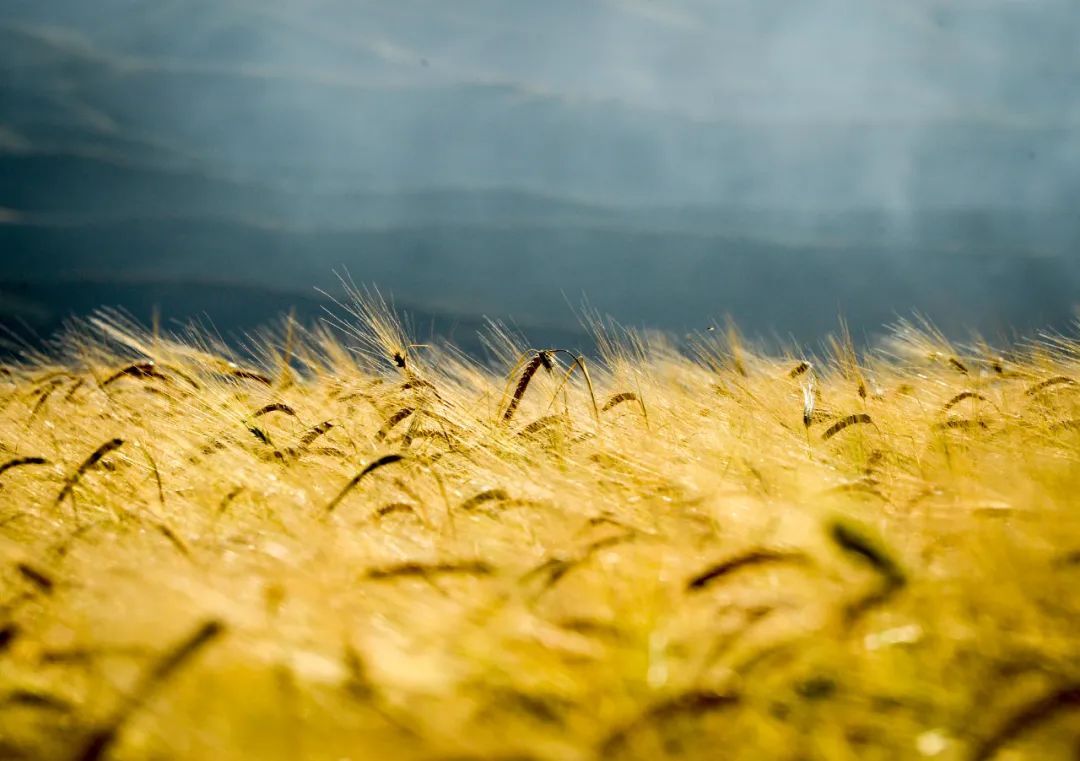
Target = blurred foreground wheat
(359,548)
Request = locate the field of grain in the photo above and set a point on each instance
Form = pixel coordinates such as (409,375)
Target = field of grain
(359,548)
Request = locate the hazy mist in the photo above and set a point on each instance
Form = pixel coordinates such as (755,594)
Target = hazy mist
(781,161)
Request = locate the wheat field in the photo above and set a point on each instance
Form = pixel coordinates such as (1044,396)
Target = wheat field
(354,547)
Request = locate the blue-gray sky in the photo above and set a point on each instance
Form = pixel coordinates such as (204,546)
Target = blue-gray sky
(765,102)
(451,150)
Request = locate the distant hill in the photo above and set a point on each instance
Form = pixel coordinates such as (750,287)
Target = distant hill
(535,273)
(34,311)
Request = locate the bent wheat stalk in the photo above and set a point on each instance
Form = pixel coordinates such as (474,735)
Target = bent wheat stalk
(577,362)
(379,463)
(99,743)
(20,462)
(859,418)
(69,485)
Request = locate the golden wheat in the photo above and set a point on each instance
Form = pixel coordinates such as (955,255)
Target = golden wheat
(762,558)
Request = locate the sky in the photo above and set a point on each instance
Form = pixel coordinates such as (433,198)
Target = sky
(761,102)
(426,145)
